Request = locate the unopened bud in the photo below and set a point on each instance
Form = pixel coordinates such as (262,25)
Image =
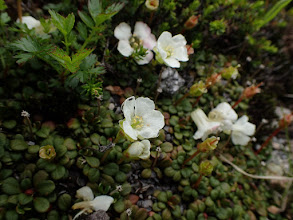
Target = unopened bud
(206,168)
(198,89)
(47,152)
(152,4)
(213,79)
(286,120)
(230,72)
(191,22)
(251,91)
(190,49)
(209,144)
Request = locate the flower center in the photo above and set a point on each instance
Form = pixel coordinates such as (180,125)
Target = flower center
(169,50)
(135,42)
(137,122)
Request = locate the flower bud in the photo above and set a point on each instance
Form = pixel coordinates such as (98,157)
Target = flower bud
(191,22)
(139,150)
(190,49)
(251,91)
(85,193)
(47,152)
(198,89)
(209,144)
(205,168)
(286,120)
(152,4)
(230,72)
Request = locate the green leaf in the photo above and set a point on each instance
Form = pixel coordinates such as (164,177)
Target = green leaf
(11,215)
(10,186)
(86,19)
(45,187)
(82,30)
(24,57)
(272,12)
(64,25)
(4,18)
(64,202)
(111,169)
(24,199)
(95,7)
(43,132)
(18,145)
(41,204)
(2,5)
(58,173)
(71,64)
(93,161)
(40,176)
(27,44)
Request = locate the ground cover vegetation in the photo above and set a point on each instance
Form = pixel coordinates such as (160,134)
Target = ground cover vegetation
(146,109)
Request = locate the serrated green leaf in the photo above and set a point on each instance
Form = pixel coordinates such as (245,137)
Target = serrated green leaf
(64,25)
(82,30)
(71,64)
(10,186)
(4,18)
(95,7)
(24,57)
(86,19)
(27,44)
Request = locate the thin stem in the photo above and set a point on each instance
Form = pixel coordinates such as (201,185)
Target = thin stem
(151,18)
(190,158)
(269,139)
(181,99)
(255,176)
(158,85)
(156,159)
(196,101)
(238,101)
(30,127)
(136,88)
(19,10)
(105,155)
(66,44)
(197,182)
(121,160)
(88,39)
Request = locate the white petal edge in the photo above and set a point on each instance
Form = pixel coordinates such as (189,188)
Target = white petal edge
(180,53)
(129,130)
(143,106)
(239,139)
(179,40)
(154,120)
(146,59)
(172,62)
(30,22)
(102,203)
(85,193)
(141,30)
(122,31)
(124,48)
(128,108)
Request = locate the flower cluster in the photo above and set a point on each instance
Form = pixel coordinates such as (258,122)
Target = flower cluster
(169,50)
(223,118)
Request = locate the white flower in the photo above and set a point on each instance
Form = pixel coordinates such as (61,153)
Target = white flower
(204,125)
(139,149)
(170,50)
(85,193)
(30,22)
(152,4)
(129,211)
(25,114)
(241,131)
(129,44)
(99,203)
(224,114)
(141,119)
(119,188)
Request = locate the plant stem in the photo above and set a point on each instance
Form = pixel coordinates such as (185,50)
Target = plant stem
(19,10)
(30,127)
(66,44)
(156,159)
(238,101)
(121,160)
(190,158)
(269,139)
(197,182)
(105,155)
(181,99)
(88,39)
(159,83)
(197,100)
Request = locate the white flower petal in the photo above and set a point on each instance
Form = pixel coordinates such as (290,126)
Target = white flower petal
(128,108)
(244,126)
(129,130)
(179,40)
(165,37)
(147,132)
(172,62)
(102,203)
(123,31)
(227,112)
(154,119)
(146,59)
(149,42)
(85,193)
(124,48)
(30,22)
(143,106)
(135,150)
(180,53)
(239,138)
(141,30)
(146,150)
